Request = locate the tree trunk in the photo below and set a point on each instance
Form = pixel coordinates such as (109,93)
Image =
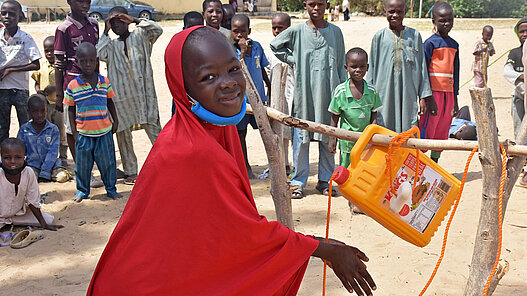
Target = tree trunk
(486,244)
(274,148)
(383,140)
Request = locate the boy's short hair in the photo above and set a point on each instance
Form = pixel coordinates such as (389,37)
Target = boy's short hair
(489,28)
(36,100)
(206,3)
(190,16)
(18,5)
(117,9)
(228,7)
(50,39)
(283,14)
(13,142)
(404,2)
(356,50)
(242,17)
(85,48)
(441,5)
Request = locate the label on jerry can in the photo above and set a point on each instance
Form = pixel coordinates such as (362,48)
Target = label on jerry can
(427,197)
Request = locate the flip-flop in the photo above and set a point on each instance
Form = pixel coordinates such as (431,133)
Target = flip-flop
(6,238)
(323,188)
(297,192)
(130,180)
(25,237)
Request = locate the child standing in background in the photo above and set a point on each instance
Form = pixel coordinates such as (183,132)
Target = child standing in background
(41,139)
(513,72)
(75,29)
(228,13)
(280,22)
(442,59)
(20,189)
(45,85)
(398,71)
(316,50)
(213,15)
(19,55)
(130,72)
(89,97)
(354,102)
(253,55)
(482,51)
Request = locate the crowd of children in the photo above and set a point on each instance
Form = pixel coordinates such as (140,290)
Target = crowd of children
(403,82)
(73,106)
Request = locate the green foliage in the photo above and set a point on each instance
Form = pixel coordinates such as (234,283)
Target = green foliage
(290,5)
(371,7)
(462,8)
(489,8)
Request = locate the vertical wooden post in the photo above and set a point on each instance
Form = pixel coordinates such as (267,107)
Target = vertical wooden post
(486,243)
(274,148)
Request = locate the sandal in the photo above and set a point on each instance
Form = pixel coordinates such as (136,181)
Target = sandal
(130,180)
(25,237)
(323,188)
(296,192)
(6,238)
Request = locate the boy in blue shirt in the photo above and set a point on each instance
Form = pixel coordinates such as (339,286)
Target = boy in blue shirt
(42,141)
(255,60)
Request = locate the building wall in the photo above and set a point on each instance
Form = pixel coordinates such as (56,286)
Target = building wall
(166,6)
(44,3)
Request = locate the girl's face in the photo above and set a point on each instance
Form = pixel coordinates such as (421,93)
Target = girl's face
(216,83)
(13,157)
(213,15)
(10,15)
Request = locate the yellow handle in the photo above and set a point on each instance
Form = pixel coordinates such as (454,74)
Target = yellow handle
(367,134)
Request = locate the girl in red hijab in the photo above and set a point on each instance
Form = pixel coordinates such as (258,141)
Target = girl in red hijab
(191,226)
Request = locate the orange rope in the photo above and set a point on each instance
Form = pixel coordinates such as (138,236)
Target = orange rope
(327,232)
(500,217)
(445,237)
(398,141)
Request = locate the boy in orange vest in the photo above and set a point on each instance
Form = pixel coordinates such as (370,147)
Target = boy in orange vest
(442,59)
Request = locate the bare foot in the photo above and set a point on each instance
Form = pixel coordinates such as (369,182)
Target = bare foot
(116,196)
(77,198)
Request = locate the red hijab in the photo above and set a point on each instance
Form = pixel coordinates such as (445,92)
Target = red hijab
(191,226)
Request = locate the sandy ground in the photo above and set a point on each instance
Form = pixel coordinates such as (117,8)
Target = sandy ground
(63,262)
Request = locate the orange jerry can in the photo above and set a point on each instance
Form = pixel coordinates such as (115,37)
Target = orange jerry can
(412,213)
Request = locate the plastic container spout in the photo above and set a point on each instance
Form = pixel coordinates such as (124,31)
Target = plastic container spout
(341,175)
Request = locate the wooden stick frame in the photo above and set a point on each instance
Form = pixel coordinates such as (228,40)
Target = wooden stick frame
(384,140)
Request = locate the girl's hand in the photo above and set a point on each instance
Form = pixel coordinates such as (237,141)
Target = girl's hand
(348,264)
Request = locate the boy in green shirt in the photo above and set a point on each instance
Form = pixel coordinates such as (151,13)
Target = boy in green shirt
(354,102)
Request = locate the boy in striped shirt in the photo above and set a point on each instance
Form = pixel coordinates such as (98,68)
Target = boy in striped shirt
(90,98)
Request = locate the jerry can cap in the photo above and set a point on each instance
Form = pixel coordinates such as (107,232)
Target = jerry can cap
(341,175)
